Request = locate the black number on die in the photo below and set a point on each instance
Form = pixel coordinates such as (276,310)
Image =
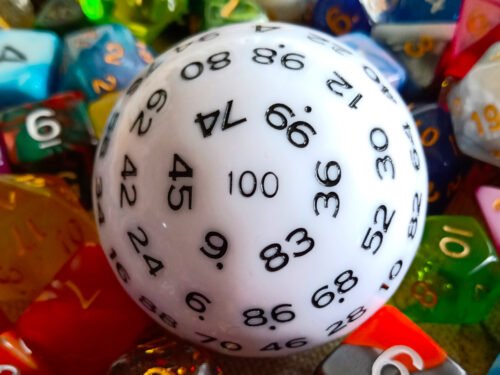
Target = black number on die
(207,122)
(277,117)
(266,56)
(256,317)
(180,169)
(343,283)
(98,193)
(414,157)
(340,325)
(332,167)
(165,318)
(140,242)
(269,184)
(264,29)
(380,143)
(215,62)
(198,303)
(375,78)
(412,227)
(143,122)
(276,259)
(290,344)
(228,345)
(341,87)
(378,235)
(129,170)
(215,250)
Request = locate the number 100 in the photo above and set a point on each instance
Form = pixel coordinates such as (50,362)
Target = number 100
(247,184)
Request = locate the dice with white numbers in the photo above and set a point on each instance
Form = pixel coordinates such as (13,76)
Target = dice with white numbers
(260,189)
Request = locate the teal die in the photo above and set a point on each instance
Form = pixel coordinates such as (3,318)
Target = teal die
(103,59)
(455,276)
(28,66)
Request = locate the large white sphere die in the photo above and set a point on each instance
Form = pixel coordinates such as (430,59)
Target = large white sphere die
(260,189)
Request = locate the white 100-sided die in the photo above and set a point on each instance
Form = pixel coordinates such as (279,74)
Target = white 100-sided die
(260,189)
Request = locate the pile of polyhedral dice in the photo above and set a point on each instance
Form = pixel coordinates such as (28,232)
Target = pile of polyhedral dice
(281,204)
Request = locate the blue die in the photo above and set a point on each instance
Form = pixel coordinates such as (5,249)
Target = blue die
(339,17)
(28,66)
(394,11)
(445,162)
(383,61)
(495,368)
(102,59)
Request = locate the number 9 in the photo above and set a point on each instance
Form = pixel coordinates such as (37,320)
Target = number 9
(41,127)
(385,359)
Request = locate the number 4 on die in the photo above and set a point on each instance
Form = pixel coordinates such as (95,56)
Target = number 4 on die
(386,341)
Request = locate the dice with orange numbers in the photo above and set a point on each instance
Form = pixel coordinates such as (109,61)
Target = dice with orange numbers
(42,225)
(475,109)
(418,47)
(83,320)
(389,343)
(446,165)
(17,358)
(102,59)
(455,276)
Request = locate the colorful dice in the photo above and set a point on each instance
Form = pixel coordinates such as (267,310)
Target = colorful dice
(455,277)
(400,11)
(144,19)
(340,17)
(475,109)
(60,16)
(28,63)
(418,47)
(17,358)
(83,320)
(477,18)
(102,60)
(16,14)
(389,339)
(42,225)
(165,355)
(53,136)
(223,12)
(445,162)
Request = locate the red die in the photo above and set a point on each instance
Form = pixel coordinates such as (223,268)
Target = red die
(83,320)
(16,358)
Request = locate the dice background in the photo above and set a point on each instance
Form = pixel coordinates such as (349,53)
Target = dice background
(469,345)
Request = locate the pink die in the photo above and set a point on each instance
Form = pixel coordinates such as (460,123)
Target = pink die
(477,18)
(488,198)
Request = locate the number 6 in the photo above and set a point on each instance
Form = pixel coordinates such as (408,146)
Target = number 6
(386,359)
(41,126)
